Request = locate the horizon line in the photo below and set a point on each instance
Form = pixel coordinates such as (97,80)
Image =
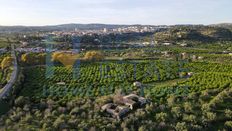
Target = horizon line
(111,24)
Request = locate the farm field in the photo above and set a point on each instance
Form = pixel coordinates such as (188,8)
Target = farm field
(178,101)
(99,79)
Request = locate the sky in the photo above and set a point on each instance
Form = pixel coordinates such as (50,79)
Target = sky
(146,12)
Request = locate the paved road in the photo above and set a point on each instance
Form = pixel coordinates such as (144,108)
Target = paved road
(8,87)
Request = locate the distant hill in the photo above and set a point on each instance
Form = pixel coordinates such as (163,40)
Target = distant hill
(195,33)
(63,27)
(223,25)
(171,33)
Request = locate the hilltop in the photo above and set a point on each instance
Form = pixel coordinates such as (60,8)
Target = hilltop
(194,33)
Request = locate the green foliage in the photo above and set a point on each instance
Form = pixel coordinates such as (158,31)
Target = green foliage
(228,113)
(209,116)
(5,72)
(228,124)
(6,62)
(171,100)
(177,112)
(195,33)
(199,102)
(33,59)
(181,126)
(161,117)
(96,79)
(20,101)
(188,107)
(209,76)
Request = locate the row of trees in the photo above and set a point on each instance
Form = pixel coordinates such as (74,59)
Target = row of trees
(33,58)
(6,70)
(67,59)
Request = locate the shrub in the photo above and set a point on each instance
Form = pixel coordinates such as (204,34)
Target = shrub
(228,113)
(6,62)
(94,55)
(190,118)
(209,117)
(176,111)
(20,101)
(75,111)
(228,124)
(161,117)
(59,122)
(188,107)
(171,100)
(181,126)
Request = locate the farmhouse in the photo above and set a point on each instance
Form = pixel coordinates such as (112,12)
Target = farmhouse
(134,101)
(129,102)
(115,110)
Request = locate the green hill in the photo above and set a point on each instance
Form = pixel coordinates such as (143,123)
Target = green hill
(195,33)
